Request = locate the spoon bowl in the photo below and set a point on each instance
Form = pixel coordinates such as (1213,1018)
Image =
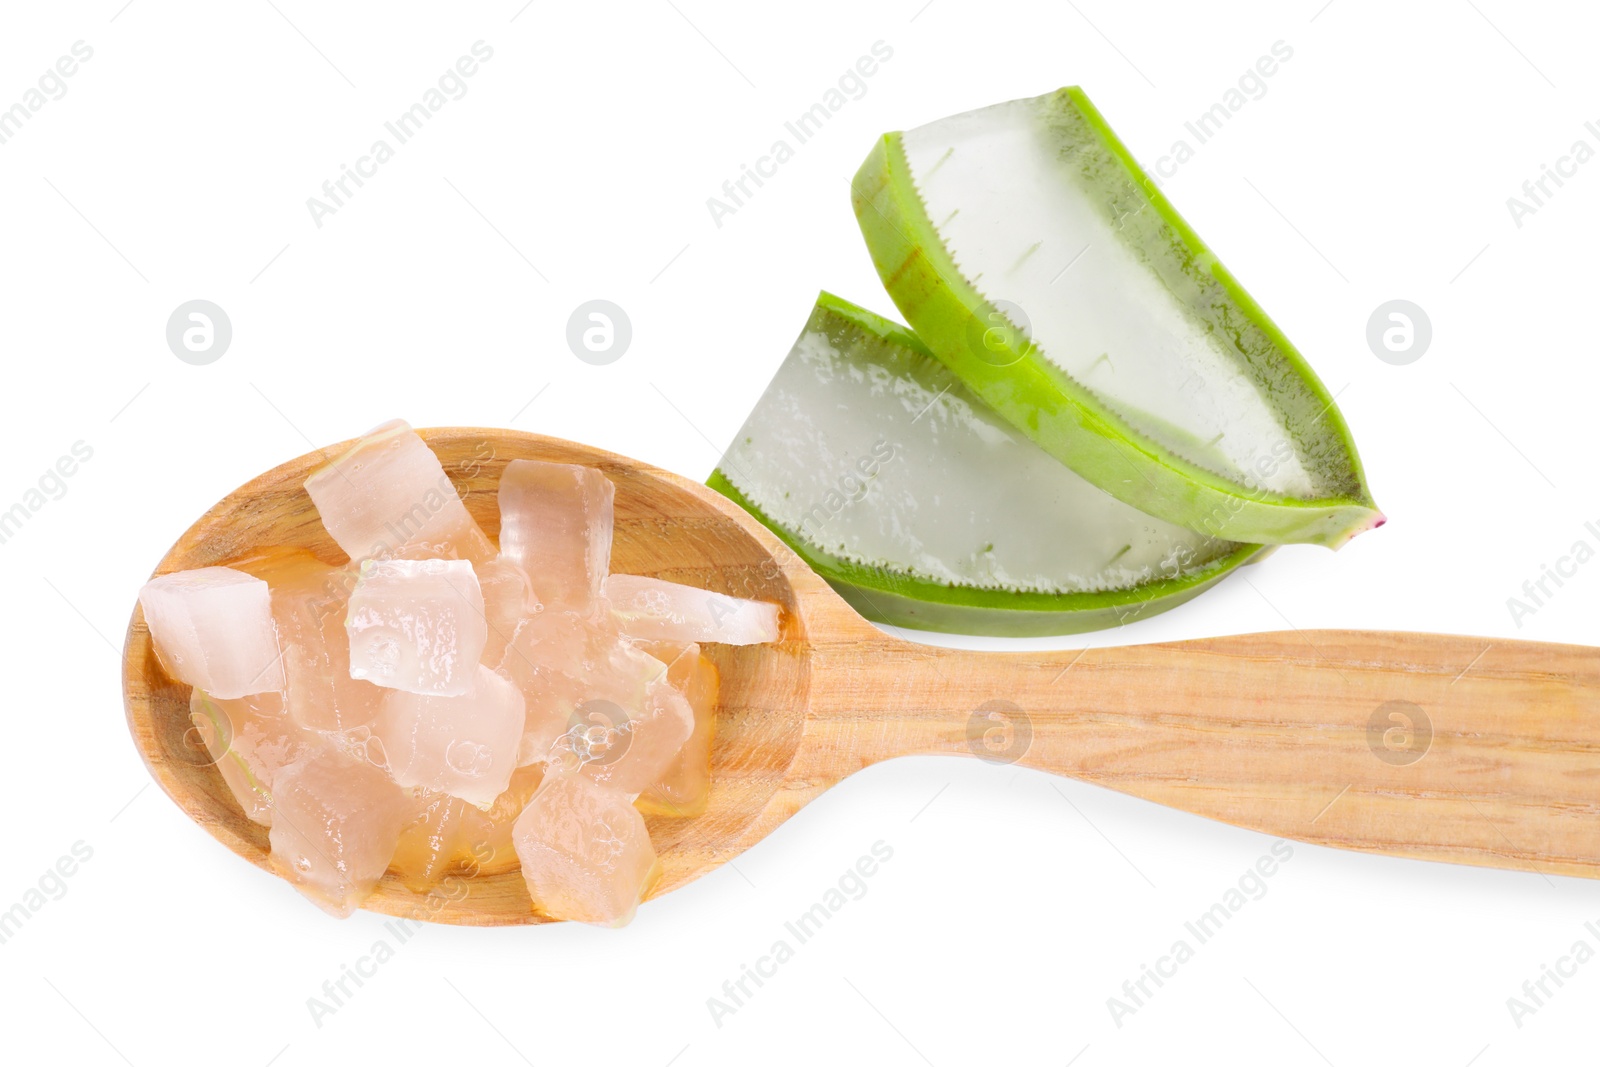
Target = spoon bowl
(1463,749)
(666,527)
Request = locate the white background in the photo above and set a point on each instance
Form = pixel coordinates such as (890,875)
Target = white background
(177,166)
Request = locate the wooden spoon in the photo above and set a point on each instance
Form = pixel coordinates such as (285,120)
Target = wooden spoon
(1435,747)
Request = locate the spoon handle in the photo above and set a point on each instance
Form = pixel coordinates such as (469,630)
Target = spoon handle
(1463,749)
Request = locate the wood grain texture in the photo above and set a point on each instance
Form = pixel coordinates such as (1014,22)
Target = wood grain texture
(1314,736)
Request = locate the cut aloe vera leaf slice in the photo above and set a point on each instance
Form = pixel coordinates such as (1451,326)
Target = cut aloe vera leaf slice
(1025,245)
(925,509)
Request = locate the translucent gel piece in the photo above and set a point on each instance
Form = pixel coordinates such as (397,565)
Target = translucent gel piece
(447,838)
(212,628)
(250,739)
(490,849)
(464,745)
(630,750)
(544,660)
(507,598)
(432,841)
(587,692)
(685,786)
(388,496)
(336,822)
(309,601)
(586,855)
(417,625)
(555,522)
(655,610)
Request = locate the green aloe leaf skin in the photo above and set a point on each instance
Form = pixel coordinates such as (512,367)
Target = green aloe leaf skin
(925,509)
(1039,262)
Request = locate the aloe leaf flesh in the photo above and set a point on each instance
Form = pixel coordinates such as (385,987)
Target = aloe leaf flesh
(925,509)
(1041,264)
